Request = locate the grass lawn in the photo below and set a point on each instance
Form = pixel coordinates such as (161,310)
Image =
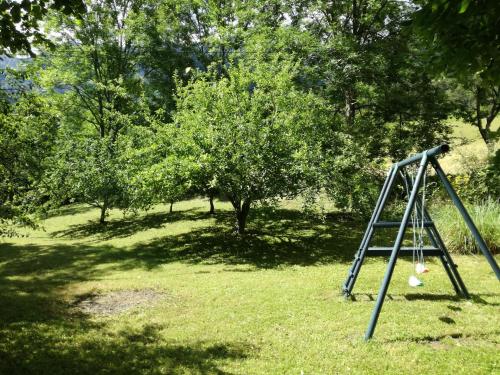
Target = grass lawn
(267,304)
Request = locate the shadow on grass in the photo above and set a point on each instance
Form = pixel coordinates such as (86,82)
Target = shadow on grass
(42,333)
(476,298)
(428,339)
(127,226)
(286,238)
(275,238)
(78,347)
(72,209)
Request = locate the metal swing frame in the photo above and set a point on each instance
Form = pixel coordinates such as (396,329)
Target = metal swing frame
(438,247)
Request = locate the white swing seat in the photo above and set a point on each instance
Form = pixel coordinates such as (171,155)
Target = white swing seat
(413,281)
(420,268)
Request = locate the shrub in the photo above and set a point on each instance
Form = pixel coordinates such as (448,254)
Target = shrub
(479,180)
(456,235)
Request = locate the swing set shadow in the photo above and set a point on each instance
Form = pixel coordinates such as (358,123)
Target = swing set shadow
(476,298)
(437,248)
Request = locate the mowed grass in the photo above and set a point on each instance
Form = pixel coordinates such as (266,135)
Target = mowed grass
(266,304)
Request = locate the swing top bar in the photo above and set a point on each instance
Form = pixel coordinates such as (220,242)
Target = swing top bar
(430,153)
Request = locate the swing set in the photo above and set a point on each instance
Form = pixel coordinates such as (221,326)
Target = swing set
(417,217)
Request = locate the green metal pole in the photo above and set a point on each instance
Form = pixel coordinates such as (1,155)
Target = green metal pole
(395,250)
(472,227)
(360,254)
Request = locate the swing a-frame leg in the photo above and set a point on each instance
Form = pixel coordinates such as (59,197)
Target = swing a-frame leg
(438,247)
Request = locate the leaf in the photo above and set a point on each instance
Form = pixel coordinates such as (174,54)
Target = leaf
(463,7)
(15,12)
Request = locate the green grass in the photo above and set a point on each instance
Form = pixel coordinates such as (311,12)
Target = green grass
(266,304)
(467,147)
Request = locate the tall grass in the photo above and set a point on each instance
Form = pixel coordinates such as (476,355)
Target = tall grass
(457,236)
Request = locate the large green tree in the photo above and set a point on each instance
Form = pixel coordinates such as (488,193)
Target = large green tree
(462,43)
(95,79)
(257,130)
(464,35)
(28,128)
(369,67)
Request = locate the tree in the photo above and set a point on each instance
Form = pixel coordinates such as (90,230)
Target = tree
(258,132)
(370,69)
(19,22)
(462,38)
(478,104)
(88,169)
(28,128)
(159,171)
(360,57)
(95,81)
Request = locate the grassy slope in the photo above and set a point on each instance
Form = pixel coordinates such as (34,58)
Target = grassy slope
(466,144)
(267,304)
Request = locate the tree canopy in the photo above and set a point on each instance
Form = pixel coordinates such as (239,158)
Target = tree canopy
(139,102)
(20,22)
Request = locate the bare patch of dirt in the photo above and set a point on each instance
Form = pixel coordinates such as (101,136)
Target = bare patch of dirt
(438,345)
(117,302)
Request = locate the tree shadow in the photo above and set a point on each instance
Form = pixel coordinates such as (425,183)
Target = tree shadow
(280,240)
(275,237)
(454,308)
(284,239)
(428,339)
(42,332)
(119,228)
(447,320)
(79,347)
(72,209)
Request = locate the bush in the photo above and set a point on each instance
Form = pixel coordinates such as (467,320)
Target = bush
(456,235)
(479,180)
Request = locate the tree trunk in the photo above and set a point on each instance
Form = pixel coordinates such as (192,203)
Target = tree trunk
(212,207)
(104,209)
(485,127)
(171,207)
(242,215)
(490,140)
(350,109)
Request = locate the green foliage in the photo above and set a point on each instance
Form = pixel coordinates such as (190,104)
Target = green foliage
(456,235)
(462,43)
(159,171)
(463,36)
(493,175)
(94,81)
(478,181)
(159,99)
(372,71)
(28,128)
(88,170)
(19,22)
(477,102)
(256,134)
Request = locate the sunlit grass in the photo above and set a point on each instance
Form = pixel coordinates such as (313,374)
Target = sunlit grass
(266,304)
(486,217)
(467,146)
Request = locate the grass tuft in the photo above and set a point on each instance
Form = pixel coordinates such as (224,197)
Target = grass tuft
(456,234)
